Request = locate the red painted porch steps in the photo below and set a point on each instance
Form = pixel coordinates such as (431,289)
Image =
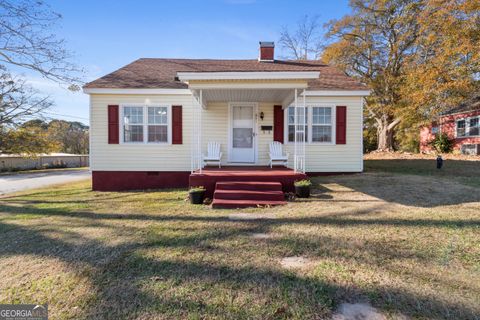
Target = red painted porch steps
(242,194)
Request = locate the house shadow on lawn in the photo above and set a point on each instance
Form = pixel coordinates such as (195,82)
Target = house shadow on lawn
(414,183)
(129,283)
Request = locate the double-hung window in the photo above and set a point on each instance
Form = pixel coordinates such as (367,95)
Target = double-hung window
(321,124)
(291,123)
(133,124)
(318,124)
(474,127)
(461,124)
(145,124)
(157,124)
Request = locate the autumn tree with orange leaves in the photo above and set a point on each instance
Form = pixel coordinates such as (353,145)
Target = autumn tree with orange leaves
(419,57)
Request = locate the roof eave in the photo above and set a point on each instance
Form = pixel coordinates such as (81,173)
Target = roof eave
(247,75)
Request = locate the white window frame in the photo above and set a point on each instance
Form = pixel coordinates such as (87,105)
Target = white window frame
(467,126)
(145,123)
(310,107)
(286,124)
(333,119)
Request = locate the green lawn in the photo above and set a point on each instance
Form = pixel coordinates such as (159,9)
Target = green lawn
(402,236)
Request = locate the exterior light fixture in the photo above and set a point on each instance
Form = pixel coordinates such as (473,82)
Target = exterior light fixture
(262,115)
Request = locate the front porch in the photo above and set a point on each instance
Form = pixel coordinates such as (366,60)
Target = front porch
(246,185)
(244,115)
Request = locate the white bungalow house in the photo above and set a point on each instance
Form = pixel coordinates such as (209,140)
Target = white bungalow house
(152,122)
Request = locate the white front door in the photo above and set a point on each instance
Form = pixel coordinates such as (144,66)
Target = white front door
(242,133)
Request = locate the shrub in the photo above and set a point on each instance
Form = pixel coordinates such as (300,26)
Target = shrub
(442,143)
(303,183)
(197,189)
(56,164)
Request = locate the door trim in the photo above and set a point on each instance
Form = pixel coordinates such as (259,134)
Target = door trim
(229,133)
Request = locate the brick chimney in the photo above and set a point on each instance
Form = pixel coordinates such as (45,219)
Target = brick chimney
(266,51)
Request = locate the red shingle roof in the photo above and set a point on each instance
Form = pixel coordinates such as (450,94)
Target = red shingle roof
(150,73)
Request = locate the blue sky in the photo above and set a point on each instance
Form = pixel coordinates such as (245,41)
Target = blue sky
(106,35)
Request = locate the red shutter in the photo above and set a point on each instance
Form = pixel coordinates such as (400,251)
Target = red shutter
(341,132)
(177,125)
(278,122)
(113,128)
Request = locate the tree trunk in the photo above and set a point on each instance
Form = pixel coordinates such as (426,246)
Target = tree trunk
(385,131)
(385,138)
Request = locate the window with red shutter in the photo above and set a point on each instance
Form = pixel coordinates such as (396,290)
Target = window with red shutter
(113,127)
(341,125)
(177,134)
(278,123)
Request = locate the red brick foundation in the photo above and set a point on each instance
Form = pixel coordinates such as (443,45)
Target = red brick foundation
(138,180)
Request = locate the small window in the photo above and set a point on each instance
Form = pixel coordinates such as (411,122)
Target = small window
(460,128)
(473,129)
(321,124)
(133,124)
(291,124)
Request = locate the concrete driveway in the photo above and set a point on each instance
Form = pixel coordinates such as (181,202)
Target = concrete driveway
(25,181)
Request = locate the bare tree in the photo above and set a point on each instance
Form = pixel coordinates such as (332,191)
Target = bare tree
(27,41)
(18,101)
(305,42)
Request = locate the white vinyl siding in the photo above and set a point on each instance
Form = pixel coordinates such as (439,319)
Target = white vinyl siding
(320,157)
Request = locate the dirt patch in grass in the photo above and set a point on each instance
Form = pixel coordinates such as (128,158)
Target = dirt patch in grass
(250,216)
(407,243)
(295,262)
(357,311)
(261,236)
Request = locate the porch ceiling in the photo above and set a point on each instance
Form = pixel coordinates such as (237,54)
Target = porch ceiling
(246,95)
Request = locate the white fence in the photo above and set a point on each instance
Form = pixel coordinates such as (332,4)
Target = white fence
(49,161)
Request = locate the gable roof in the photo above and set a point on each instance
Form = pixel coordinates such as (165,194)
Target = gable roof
(472,104)
(153,73)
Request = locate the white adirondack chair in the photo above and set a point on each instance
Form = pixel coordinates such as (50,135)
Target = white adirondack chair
(213,154)
(276,154)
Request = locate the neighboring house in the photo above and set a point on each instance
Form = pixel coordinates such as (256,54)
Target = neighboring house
(461,124)
(151,120)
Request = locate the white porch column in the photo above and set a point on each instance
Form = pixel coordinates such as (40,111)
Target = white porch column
(196,146)
(295,139)
(300,130)
(200,130)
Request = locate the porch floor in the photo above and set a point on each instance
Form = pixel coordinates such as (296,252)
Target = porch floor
(211,175)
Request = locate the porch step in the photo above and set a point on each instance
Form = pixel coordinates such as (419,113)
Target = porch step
(249,194)
(233,204)
(249,185)
(244,194)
